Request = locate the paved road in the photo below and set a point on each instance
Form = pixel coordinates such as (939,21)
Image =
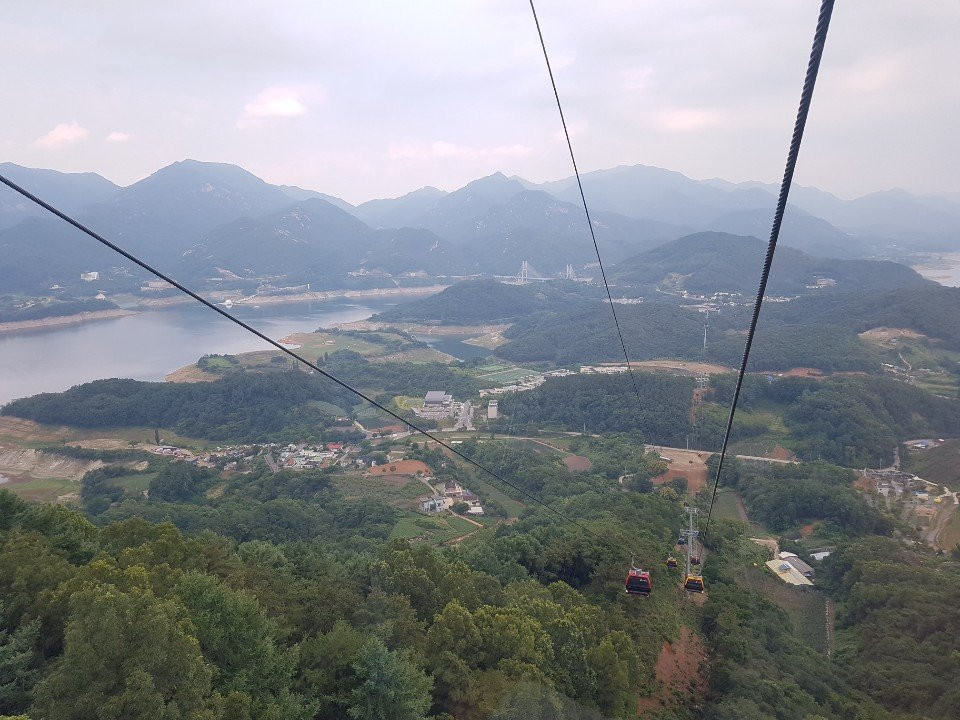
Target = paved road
(271,463)
(465,421)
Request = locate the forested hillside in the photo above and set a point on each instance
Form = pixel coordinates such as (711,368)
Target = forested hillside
(13,311)
(490,301)
(302,629)
(931,309)
(710,262)
(897,626)
(663,330)
(852,421)
(604,403)
(588,335)
(399,378)
(241,406)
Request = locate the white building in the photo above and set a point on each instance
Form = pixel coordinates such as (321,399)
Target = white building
(437,405)
(90,276)
(492,412)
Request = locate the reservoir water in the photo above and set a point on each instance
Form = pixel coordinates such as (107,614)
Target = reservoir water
(151,344)
(454,345)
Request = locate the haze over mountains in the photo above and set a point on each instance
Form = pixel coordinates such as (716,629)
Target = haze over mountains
(208,220)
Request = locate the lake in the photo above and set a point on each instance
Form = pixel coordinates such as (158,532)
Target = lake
(455,345)
(152,344)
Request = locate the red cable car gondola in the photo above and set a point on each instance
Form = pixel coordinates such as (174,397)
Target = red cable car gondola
(638,582)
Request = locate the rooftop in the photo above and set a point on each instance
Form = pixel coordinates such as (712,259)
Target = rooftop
(786,572)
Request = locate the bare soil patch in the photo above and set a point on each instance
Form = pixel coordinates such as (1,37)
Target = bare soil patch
(688,464)
(803,372)
(490,340)
(34,463)
(577,463)
(401,467)
(680,673)
(102,444)
(882,335)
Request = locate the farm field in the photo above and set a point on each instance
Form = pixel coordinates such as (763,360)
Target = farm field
(397,490)
(502,375)
(431,528)
(805,606)
(43,489)
(940,464)
(726,506)
(133,483)
(486,490)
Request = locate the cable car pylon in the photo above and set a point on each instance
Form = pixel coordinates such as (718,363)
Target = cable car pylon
(693,580)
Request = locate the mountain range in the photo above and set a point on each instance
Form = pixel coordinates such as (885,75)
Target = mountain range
(201,220)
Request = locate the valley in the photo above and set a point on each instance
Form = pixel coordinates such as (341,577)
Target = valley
(288,484)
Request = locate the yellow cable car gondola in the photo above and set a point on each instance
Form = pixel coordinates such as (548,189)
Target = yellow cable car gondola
(693,583)
(671,562)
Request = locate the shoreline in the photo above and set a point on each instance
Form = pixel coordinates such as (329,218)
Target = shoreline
(422,328)
(943,268)
(320,295)
(148,304)
(64,320)
(220,298)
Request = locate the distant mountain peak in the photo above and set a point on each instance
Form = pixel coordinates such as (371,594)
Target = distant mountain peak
(496,188)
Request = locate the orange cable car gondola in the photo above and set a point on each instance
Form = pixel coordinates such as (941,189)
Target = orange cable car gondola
(638,582)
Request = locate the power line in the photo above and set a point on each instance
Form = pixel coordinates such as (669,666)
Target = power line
(806,96)
(232,318)
(583,199)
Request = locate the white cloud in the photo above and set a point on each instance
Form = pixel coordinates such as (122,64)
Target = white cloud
(688,119)
(274,102)
(637,78)
(118,137)
(576,129)
(63,134)
(442,149)
(871,76)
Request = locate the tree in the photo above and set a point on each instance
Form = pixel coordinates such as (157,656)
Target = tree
(239,642)
(19,663)
(390,688)
(128,655)
(176,482)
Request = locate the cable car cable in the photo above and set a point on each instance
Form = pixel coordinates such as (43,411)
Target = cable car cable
(583,199)
(806,95)
(232,318)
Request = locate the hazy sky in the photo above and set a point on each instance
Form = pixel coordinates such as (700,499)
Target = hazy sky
(374,98)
